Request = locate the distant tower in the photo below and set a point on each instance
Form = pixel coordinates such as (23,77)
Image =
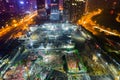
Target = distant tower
(41,9)
(73,9)
(61,5)
(40,4)
(54,13)
(48,6)
(55,4)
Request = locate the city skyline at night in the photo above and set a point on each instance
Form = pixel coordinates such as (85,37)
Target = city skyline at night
(59,40)
(17,6)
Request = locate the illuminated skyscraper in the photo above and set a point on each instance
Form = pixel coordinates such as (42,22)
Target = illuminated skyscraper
(73,9)
(61,5)
(54,13)
(50,8)
(54,4)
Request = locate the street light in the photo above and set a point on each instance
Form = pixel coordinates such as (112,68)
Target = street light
(99,55)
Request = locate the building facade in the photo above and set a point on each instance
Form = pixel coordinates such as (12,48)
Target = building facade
(41,9)
(54,12)
(50,9)
(40,4)
(73,9)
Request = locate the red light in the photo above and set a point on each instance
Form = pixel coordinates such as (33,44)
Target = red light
(114,3)
(112,12)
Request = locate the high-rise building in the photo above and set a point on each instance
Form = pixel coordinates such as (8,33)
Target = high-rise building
(40,4)
(54,5)
(42,14)
(54,13)
(73,9)
(61,5)
(47,4)
(50,8)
